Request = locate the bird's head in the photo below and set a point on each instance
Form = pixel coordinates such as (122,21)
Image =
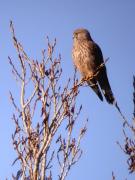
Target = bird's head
(81,35)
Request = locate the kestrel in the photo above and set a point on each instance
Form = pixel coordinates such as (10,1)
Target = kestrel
(87,57)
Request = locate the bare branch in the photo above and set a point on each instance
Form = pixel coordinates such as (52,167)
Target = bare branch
(45,105)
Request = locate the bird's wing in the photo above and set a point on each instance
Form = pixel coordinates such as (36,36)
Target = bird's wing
(96,52)
(102,78)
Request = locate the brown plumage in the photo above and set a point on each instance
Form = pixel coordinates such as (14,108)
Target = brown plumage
(87,57)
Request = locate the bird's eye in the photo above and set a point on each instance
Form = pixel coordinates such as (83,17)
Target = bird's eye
(74,36)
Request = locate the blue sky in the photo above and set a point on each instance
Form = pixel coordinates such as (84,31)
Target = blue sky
(112,26)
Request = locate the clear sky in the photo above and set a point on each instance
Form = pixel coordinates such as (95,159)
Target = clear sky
(112,26)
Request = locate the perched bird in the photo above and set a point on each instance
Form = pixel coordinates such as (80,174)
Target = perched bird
(87,57)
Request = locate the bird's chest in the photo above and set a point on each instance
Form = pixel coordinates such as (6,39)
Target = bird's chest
(83,60)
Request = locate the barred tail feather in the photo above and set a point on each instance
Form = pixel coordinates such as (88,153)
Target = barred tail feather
(105,86)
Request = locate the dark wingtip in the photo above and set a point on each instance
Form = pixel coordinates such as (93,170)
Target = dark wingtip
(110,99)
(100,96)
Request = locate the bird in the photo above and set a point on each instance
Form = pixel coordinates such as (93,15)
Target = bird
(87,58)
